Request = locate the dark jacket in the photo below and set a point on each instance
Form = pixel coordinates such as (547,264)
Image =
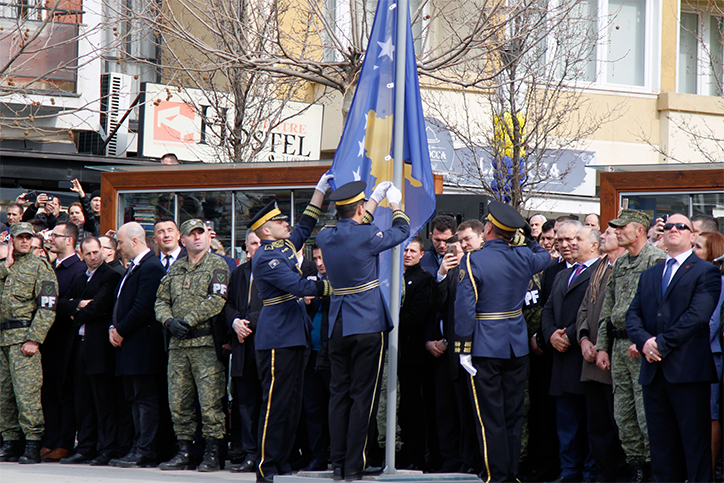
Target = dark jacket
(443,299)
(55,345)
(142,350)
(561,310)
(92,222)
(587,322)
(416,314)
(49,221)
(99,355)
(679,321)
(240,305)
(430,261)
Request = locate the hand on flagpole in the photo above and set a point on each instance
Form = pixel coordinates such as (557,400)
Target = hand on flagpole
(394,196)
(380,191)
(323,183)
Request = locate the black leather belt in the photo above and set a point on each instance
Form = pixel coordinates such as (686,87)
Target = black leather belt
(193,334)
(619,334)
(15,324)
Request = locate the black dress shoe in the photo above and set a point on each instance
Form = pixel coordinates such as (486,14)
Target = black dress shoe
(138,461)
(317,464)
(129,457)
(265,479)
(338,474)
(100,460)
(248,466)
(76,459)
(357,475)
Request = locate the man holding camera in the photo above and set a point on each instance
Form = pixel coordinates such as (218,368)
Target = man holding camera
(190,295)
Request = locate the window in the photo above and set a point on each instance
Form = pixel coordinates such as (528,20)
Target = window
(700,54)
(614,42)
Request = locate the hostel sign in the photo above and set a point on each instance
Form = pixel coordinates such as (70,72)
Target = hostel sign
(184,122)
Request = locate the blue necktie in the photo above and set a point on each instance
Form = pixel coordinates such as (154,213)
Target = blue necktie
(667,275)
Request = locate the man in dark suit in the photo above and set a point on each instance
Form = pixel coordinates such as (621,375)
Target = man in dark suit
(415,365)
(558,324)
(241,314)
(442,227)
(668,320)
(57,392)
(89,302)
(139,342)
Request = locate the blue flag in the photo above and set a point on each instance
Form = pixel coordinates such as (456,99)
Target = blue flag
(365,151)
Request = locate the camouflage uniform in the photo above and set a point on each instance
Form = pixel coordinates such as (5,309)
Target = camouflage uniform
(196,293)
(28,292)
(627,395)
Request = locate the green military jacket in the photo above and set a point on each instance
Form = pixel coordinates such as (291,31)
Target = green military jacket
(621,289)
(193,292)
(28,291)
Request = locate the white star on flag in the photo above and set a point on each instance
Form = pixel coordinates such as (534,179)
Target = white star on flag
(356,174)
(361,147)
(387,48)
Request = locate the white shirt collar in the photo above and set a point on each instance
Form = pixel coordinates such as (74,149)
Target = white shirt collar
(680,258)
(174,254)
(140,256)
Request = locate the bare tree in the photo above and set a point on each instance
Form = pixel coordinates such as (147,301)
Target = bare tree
(307,49)
(517,136)
(43,47)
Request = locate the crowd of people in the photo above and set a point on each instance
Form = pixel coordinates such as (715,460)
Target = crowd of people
(538,350)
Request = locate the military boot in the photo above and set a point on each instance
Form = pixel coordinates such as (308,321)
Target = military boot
(11,451)
(211,457)
(32,453)
(181,461)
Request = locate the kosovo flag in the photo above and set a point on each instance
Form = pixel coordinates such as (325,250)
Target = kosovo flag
(366,148)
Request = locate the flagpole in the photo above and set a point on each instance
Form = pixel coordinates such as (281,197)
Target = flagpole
(397,153)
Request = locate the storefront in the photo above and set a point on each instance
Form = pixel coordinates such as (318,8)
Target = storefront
(664,189)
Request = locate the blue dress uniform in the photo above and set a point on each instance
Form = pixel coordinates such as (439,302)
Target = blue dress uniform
(489,325)
(358,322)
(282,338)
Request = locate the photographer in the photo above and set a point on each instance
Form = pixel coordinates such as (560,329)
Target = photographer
(91,205)
(46,209)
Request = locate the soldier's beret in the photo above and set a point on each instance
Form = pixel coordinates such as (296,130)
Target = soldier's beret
(270,212)
(190,225)
(628,215)
(349,193)
(505,216)
(22,227)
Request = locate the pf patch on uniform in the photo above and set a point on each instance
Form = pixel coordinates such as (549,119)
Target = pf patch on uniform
(273,263)
(48,298)
(219,283)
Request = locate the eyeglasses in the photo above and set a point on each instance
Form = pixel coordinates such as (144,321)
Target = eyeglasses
(678,226)
(55,235)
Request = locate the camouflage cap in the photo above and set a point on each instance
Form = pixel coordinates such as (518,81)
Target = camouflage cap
(190,225)
(22,227)
(627,216)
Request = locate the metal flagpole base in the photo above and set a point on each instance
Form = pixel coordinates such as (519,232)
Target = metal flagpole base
(406,476)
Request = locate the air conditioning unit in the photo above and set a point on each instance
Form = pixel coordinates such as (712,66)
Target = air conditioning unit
(115,101)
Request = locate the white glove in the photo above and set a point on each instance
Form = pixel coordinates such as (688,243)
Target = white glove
(466,360)
(394,195)
(323,183)
(380,190)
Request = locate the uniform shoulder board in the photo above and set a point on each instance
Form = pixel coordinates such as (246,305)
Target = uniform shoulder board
(268,247)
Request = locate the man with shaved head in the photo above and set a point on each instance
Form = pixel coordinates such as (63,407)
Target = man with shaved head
(139,342)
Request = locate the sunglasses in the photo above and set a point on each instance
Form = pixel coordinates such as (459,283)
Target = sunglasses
(678,226)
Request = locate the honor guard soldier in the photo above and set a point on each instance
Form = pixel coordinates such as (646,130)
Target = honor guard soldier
(283,330)
(28,298)
(192,293)
(358,317)
(492,338)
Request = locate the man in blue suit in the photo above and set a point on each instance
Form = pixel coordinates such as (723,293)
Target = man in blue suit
(358,317)
(283,329)
(668,321)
